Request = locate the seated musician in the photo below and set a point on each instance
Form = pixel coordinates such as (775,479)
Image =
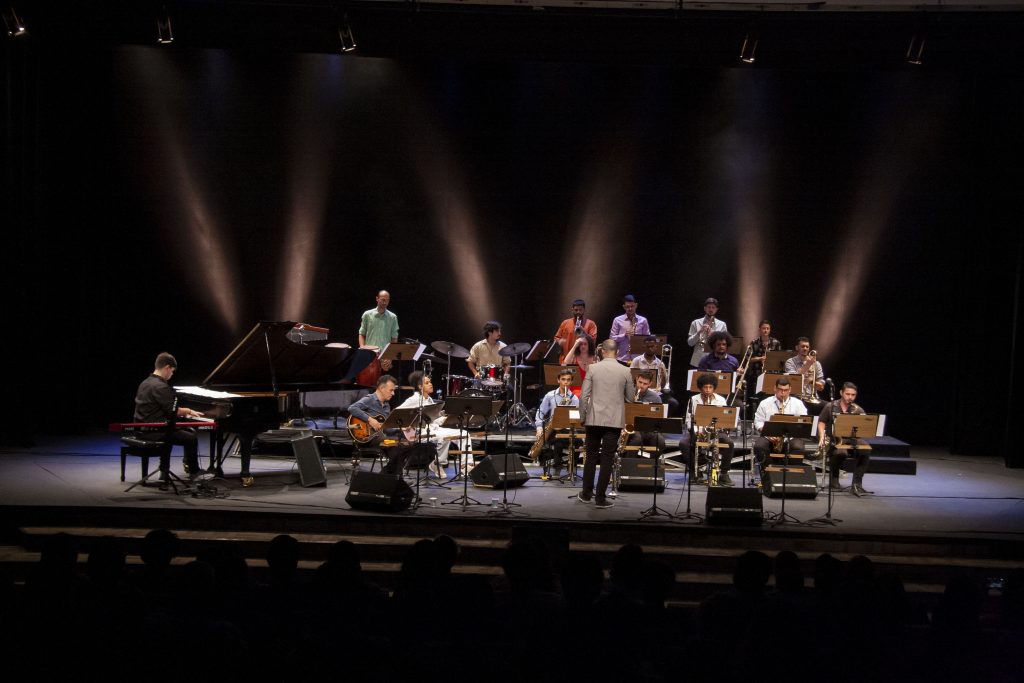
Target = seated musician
(433,432)
(374,408)
(486,352)
(706,384)
(155,402)
(570,328)
(583,354)
(805,362)
(551,456)
(650,360)
(779,404)
(843,406)
(719,360)
(648,441)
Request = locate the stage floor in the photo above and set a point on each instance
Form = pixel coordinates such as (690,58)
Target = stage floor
(950,496)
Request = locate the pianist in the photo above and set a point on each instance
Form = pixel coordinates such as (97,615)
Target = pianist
(155,402)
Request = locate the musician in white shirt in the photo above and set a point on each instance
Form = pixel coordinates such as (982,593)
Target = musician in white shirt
(782,403)
(432,432)
(707,383)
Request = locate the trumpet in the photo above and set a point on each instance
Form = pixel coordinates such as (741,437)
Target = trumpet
(709,322)
(666,351)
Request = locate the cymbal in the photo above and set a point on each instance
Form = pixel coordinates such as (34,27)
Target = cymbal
(450,349)
(433,358)
(520,367)
(515,349)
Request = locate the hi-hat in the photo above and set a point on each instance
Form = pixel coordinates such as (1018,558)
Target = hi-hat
(450,349)
(520,367)
(515,349)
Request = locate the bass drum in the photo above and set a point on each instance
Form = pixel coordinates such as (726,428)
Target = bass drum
(456,384)
(474,393)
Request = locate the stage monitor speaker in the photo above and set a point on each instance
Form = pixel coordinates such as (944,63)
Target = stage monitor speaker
(738,507)
(490,472)
(307,457)
(378,491)
(637,474)
(801,481)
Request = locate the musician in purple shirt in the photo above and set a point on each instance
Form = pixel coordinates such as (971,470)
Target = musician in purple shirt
(719,359)
(627,325)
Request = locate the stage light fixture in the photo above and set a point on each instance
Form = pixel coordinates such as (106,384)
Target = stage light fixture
(164,30)
(15,25)
(749,48)
(915,50)
(345,35)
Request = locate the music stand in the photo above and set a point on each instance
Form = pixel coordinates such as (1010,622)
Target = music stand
(657,426)
(551,373)
(402,351)
(766,382)
(775,361)
(724,381)
(638,343)
(787,430)
(425,416)
(568,417)
(717,417)
(463,409)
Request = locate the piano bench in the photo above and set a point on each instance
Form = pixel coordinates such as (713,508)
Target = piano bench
(143,450)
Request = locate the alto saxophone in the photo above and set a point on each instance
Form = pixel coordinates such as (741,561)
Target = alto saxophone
(549,429)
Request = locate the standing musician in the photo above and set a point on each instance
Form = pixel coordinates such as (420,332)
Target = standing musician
(650,360)
(645,394)
(805,362)
(560,396)
(379,327)
(764,343)
(707,383)
(571,328)
(843,406)
(602,410)
(374,408)
(487,351)
(719,360)
(779,404)
(155,402)
(628,325)
(701,329)
(433,432)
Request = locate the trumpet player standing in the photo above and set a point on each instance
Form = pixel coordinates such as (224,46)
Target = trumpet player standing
(568,330)
(627,325)
(805,362)
(701,330)
(843,406)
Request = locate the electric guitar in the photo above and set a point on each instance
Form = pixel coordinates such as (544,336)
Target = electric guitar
(361,430)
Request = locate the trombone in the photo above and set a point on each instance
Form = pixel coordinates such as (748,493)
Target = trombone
(741,374)
(666,352)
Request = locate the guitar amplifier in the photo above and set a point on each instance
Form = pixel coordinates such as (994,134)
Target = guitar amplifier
(377,491)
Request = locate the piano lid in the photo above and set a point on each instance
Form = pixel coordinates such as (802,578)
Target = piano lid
(295,366)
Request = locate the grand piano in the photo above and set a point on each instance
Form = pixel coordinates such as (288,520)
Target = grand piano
(246,393)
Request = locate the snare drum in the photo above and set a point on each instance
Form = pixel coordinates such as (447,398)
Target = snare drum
(491,376)
(456,384)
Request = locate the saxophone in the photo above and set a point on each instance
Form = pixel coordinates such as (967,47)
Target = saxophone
(549,429)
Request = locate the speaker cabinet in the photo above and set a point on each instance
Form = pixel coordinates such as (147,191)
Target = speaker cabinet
(490,472)
(801,481)
(307,457)
(637,474)
(379,492)
(737,507)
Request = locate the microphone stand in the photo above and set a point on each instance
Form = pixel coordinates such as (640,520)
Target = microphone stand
(828,518)
(691,462)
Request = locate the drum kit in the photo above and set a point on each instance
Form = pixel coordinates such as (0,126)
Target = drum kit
(490,379)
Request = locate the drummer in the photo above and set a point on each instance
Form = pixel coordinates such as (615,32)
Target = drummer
(487,352)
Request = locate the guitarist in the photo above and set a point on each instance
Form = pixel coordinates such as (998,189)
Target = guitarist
(371,410)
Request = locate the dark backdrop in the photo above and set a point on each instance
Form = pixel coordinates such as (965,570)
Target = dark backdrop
(155,198)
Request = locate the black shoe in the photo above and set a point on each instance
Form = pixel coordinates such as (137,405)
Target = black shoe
(603,503)
(835,485)
(584,498)
(858,490)
(724,480)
